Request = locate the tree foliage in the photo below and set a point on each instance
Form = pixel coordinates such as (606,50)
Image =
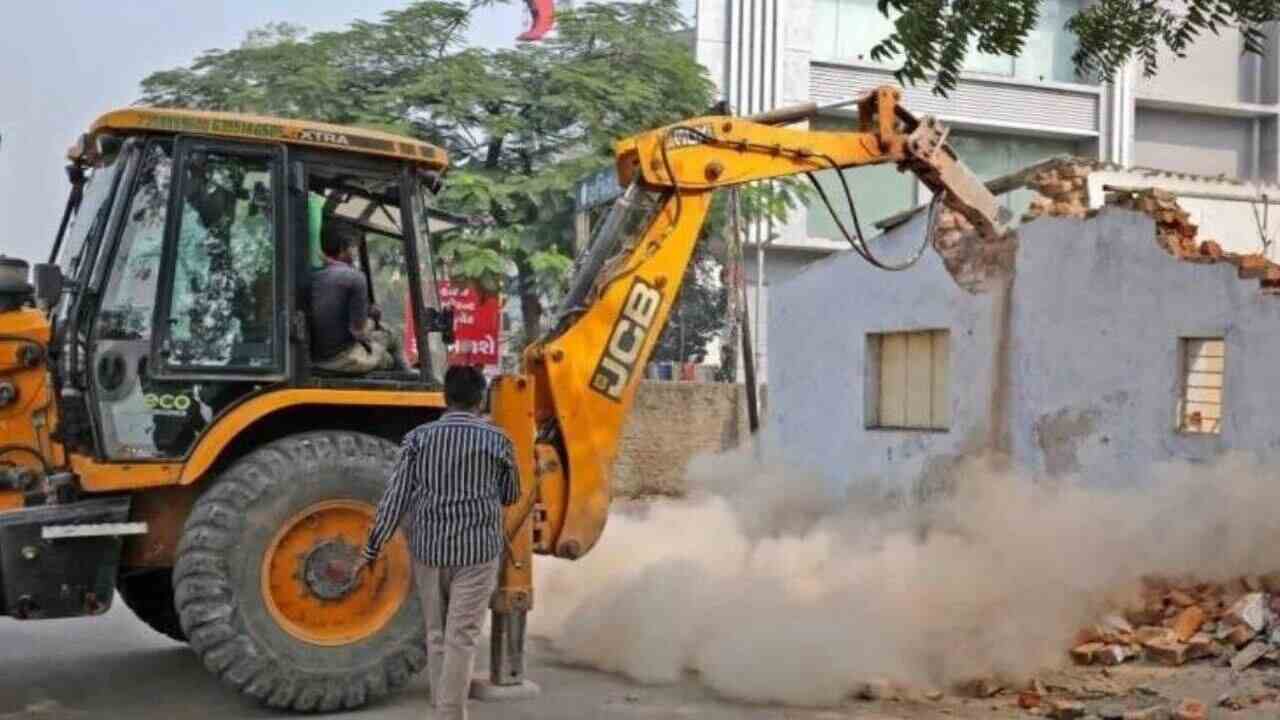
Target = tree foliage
(522,126)
(931,38)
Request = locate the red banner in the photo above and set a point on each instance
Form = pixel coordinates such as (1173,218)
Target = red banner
(543,13)
(477,324)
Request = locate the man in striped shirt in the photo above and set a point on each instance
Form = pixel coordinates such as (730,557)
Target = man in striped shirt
(453,476)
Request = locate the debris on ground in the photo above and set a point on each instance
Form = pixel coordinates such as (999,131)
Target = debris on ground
(1174,625)
(1065,709)
(1190,709)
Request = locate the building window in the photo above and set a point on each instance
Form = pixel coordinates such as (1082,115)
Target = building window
(1200,398)
(907,380)
(846,30)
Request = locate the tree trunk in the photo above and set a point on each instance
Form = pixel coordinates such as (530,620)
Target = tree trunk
(530,302)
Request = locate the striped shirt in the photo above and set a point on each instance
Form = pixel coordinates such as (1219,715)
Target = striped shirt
(453,476)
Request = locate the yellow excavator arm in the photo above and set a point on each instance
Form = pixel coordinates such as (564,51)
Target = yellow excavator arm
(566,411)
(585,369)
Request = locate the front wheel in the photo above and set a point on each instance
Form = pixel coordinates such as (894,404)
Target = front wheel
(260,580)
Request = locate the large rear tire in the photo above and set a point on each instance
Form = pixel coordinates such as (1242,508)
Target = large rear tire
(149,594)
(260,569)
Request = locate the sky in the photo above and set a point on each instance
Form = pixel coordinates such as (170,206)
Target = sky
(64,62)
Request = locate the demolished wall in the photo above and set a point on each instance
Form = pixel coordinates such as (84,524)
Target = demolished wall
(1064,345)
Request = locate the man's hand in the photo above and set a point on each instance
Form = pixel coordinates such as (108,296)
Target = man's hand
(358,567)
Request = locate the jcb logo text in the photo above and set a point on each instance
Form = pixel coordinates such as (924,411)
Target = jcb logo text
(617,365)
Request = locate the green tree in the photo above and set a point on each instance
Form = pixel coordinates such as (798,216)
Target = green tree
(521,125)
(931,38)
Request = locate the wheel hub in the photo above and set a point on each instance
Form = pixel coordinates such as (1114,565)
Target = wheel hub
(306,575)
(328,569)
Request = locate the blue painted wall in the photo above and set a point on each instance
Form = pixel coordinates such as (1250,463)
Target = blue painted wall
(1073,372)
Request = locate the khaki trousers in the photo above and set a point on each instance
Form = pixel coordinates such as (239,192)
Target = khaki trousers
(454,600)
(356,360)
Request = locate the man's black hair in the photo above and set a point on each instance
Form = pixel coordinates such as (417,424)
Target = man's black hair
(336,236)
(464,387)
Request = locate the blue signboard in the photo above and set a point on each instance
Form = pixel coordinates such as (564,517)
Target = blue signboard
(598,188)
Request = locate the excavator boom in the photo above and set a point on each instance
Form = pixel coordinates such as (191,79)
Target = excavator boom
(566,411)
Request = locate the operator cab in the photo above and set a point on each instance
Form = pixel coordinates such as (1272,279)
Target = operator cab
(184,261)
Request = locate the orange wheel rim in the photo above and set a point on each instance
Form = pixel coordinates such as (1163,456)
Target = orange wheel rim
(305,565)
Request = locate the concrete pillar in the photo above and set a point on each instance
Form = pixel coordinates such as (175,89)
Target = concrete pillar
(1118,116)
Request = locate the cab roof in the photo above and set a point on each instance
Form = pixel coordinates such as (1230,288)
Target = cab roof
(259,127)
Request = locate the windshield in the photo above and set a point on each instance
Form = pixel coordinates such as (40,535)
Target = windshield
(90,216)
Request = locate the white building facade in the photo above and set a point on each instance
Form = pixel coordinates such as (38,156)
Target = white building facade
(1215,113)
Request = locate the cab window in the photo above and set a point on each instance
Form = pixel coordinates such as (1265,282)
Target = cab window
(368,204)
(222,286)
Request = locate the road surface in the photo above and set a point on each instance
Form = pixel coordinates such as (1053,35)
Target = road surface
(116,667)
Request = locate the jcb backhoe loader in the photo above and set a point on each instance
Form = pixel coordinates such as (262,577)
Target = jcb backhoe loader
(163,432)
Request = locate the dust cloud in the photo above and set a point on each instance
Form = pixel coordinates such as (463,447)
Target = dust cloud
(772,589)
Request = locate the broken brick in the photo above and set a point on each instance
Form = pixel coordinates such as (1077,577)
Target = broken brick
(1113,655)
(1188,622)
(1086,635)
(1165,652)
(1028,699)
(1250,610)
(1201,645)
(1248,656)
(1085,654)
(1237,636)
(1153,633)
(1190,709)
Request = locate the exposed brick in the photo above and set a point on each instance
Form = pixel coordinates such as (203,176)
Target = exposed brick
(1252,267)
(1188,622)
(1210,249)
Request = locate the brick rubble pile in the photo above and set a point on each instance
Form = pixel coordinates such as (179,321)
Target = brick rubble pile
(1236,622)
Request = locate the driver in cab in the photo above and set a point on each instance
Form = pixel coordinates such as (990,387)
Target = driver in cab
(345,335)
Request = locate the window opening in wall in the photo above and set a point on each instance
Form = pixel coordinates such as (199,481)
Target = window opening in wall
(907,380)
(1200,397)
